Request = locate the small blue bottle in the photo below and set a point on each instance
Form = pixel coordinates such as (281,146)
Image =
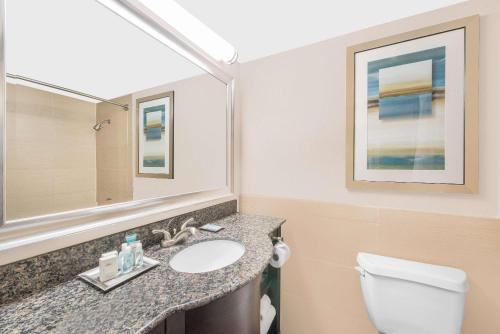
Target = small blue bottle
(130,238)
(126,259)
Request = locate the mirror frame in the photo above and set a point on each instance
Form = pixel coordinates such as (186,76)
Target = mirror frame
(25,231)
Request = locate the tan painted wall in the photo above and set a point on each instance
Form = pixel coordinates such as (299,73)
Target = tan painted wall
(292,108)
(114,153)
(50,152)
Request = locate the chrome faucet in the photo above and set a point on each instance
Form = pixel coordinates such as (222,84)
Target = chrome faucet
(178,237)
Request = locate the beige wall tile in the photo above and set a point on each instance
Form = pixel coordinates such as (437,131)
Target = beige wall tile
(299,317)
(50,153)
(114,153)
(73,201)
(29,182)
(31,100)
(319,275)
(74,180)
(114,157)
(28,206)
(29,155)
(297,207)
(113,186)
(336,241)
(322,282)
(74,157)
(472,244)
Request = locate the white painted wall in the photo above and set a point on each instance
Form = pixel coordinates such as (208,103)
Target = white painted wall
(199,139)
(292,108)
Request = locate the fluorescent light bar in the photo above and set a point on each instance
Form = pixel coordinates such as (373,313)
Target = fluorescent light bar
(182,21)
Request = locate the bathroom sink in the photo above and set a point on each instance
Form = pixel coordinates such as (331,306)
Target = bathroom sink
(207,256)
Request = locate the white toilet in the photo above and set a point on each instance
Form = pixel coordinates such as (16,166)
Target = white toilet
(407,297)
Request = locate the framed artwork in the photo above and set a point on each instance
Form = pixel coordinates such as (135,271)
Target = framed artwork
(155,136)
(412,110)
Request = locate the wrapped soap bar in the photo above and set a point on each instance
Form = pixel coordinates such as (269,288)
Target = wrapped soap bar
(108,266)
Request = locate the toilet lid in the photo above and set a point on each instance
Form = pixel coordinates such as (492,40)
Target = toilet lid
(439,276)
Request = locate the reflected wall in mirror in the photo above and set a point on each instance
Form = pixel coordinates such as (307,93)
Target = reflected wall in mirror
(66,150)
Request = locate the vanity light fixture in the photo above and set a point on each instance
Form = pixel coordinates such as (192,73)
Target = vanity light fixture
(182,21)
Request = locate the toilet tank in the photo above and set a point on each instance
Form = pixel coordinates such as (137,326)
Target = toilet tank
(407,297)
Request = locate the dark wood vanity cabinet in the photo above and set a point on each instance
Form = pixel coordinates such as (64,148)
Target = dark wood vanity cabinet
(238,312)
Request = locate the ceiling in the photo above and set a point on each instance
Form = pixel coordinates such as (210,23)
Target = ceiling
(259,28)
(80,44)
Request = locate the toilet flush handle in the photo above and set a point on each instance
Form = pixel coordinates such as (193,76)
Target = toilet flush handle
(360,270)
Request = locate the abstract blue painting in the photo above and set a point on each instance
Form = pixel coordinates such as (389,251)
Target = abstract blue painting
(406,97)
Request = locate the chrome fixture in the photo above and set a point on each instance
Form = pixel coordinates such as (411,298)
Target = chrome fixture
(64,89)
(99,125)
(178,237)
(179,19)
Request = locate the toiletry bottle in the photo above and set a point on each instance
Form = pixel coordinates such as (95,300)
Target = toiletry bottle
(130,238)
(139,255)
(133,249)
(126,259)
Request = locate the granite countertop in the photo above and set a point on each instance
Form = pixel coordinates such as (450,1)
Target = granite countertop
(139,305)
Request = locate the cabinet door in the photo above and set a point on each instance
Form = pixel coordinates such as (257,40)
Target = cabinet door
(159,329)
(237,312)
(175,324)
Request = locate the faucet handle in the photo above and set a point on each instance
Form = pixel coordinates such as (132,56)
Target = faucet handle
(166,234)
(187,222)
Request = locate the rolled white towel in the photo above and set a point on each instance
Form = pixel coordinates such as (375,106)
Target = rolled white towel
(265,303)
(267,319)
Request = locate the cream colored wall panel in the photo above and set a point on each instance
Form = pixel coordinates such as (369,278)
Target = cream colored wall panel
(114,157)
(29,182)
(30,100)
(31,155)
(72,201)
(74,157)
(28,206)
(67,108)
(114,153)
(50,152)
(34,125)
(74,180)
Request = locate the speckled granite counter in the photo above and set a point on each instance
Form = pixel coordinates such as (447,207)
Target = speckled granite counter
(136,307)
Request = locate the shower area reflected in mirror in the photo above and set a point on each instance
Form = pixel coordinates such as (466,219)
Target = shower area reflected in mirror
(64,152)
(73,125)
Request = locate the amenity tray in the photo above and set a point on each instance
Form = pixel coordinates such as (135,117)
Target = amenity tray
(92,276)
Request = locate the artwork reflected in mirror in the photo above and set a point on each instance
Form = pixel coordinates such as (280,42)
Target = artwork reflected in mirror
(74,138)
(155,134)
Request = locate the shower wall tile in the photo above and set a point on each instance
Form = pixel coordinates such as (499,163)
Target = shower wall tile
(114,153)
(51,152)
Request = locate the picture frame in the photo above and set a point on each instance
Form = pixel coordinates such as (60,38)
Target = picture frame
(155,136)
(412,110)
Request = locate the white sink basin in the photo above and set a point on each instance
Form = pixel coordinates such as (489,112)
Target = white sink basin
(207,256)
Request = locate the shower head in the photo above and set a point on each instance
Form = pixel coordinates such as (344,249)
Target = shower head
(99,125)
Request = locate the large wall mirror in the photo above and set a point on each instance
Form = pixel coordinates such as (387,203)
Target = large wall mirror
(98,112)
